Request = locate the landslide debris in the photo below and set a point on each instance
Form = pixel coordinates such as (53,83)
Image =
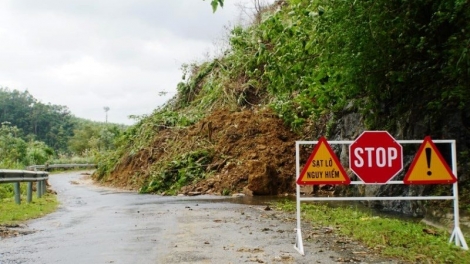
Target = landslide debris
(252,151)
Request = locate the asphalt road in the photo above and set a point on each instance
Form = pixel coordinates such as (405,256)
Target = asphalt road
(102,225)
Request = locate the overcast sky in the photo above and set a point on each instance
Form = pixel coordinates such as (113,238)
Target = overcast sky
(88,54)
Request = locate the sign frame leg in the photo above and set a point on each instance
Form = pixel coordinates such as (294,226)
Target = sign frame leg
(457,233)
(299,246)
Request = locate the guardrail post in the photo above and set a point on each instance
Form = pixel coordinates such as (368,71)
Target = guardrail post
(16,186)
(41,188)
(30,192)
(38,189)
(44,188)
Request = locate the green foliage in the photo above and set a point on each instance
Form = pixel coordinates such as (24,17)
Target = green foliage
(6,191)
(95,142)
(195,75)
(106,162)
(167,119)
(285,105)
(90,137)
(278,52)
(83,139)
(38,153)
(15,153)
(140,136)
(390,58)
(54,126)
(396,57)
(13,149)
(86,158)
(187,168)
(49,123)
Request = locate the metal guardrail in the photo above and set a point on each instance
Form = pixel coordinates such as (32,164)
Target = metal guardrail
(31,175)
(60,166)
(22,176)
(17,176)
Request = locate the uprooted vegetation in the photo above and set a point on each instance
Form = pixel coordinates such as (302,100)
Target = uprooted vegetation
(401,66)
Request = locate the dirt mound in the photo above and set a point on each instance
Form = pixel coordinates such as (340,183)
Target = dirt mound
(254,153)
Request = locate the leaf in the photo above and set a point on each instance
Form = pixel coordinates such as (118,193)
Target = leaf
(216,3)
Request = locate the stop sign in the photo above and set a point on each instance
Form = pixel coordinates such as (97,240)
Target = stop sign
(375,157)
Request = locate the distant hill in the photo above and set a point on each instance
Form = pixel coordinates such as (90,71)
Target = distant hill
(52,124)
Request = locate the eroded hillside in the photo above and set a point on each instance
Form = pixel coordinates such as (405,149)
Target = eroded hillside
(320,68)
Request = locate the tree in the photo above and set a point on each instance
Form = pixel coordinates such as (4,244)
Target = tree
(12,147)
(44,122)
(82,141)
(38,153)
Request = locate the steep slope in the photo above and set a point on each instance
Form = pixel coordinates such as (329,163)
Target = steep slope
(330,68)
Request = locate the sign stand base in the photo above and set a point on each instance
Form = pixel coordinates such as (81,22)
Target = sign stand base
(299,246)
(459,239)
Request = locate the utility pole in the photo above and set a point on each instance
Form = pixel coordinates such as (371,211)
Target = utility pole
(106,109)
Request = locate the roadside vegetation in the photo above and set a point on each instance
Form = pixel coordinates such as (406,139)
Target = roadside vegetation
(12,213)
(401,239)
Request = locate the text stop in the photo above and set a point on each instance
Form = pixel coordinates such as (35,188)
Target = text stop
(380,157)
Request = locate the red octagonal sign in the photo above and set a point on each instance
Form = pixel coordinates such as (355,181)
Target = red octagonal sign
(375,157)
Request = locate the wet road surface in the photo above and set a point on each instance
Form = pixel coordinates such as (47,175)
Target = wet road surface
(101,225)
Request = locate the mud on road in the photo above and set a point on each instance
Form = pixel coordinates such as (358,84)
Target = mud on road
(102,225)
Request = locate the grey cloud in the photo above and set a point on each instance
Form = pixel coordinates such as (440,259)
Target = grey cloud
(87,54)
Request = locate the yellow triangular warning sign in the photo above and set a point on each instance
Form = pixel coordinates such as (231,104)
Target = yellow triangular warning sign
(429,167)
(323,167)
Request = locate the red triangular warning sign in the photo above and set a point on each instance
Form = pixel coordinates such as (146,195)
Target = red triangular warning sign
(429,167)
(323,167)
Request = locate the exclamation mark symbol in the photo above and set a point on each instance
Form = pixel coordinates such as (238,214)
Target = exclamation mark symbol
(428,160)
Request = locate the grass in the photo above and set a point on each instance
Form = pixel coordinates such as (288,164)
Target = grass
(11,213)
(396,238)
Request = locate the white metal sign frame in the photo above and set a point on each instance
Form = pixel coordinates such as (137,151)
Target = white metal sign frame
(457,235)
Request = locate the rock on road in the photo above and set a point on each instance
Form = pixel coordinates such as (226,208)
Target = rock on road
(102,225)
